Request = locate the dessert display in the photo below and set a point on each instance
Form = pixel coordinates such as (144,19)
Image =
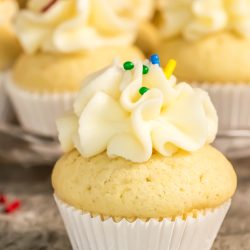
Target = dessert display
(138,170)
(139,166)
(9,50)
(210,41)
(63,42)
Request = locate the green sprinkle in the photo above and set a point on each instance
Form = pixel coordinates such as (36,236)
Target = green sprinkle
(128,65)
(143,90)
(145,69)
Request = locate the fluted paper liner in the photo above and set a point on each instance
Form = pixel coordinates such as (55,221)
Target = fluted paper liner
(92,233)
(37,112)
(6,110)
(232,103)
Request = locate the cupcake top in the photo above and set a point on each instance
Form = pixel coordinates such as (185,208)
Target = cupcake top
(194,19)
(214,33)
(136,146)
(72,26)
(134,109)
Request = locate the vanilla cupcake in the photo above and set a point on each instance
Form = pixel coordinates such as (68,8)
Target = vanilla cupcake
(9,50)
(211,42)
(138,172)
(64,41)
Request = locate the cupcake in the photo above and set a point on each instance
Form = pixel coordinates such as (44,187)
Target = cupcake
(63,42)
(138,171)
(210,41)
(9,50)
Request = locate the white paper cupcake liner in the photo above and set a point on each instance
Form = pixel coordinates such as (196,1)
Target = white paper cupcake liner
(6,110)
(232,102)
(92,233)
(37,112)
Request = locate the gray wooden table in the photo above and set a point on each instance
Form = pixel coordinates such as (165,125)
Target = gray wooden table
(37,225)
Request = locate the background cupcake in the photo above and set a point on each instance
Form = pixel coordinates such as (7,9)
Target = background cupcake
(9,50)
(138,172)
(210,41)
(64,41)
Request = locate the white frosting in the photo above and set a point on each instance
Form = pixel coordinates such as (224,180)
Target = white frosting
(194,19)
(110,114)
(8,9)
(69,26)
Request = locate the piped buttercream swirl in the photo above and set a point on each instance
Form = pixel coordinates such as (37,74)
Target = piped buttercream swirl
(111,115)
(75,25)
(194,19)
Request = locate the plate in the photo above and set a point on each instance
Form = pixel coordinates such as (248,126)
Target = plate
(18,146)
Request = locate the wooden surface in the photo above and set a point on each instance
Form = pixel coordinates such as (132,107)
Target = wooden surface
(37,225)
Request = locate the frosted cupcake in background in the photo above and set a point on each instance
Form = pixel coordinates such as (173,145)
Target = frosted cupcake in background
(9,50)
(63,42)
(138,171)
(210,40)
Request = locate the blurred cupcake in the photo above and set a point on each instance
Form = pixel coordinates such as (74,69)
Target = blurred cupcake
(138,172)
(64,41)
(9,50)
(210,39)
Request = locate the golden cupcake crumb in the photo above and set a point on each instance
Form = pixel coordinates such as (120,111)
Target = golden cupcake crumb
(163,187)
(216,58)
(49,73)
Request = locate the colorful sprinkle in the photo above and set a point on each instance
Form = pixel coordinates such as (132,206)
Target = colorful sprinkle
(143,90)
(128,65)
(155,59)
(48,6)
(12,206)
(169,69)
(145,69)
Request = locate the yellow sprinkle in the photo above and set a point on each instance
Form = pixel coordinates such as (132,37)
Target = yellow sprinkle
(169,69)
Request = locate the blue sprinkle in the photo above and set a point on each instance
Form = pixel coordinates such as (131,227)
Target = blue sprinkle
(155,59)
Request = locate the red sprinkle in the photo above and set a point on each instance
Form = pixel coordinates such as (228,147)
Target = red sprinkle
(48,6)
(12,206)
(3,198)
